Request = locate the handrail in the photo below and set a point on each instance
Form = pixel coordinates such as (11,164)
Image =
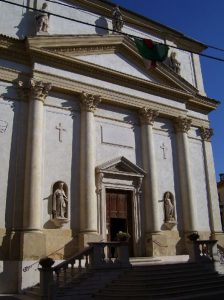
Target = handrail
(220,253)
(158,243)
(86,251)
(27,268)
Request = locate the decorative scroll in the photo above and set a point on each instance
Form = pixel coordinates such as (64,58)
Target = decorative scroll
(183,124)
(148,115)
(3,126)
(206,133)
(89,102)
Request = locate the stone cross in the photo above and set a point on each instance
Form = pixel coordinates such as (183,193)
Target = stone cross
(60,129)
(164,148)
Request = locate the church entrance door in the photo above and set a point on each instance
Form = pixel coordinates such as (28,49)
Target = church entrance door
(119,214)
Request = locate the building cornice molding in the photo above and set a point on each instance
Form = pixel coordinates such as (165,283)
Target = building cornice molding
(71,86)
(174,86)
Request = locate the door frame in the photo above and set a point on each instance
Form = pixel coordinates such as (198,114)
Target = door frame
(129,179)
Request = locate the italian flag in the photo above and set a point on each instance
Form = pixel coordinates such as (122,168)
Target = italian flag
(151,52)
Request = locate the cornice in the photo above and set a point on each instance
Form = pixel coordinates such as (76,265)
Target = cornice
(10,75)
(106,74)
(13,49)
(70,86)
(174,86)
(72,46)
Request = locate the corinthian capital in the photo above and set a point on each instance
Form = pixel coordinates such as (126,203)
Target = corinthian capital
(39,89)
(183,124)
(147,115)
(206,133)
(89,102)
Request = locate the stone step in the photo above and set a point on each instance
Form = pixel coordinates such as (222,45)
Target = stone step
(171,277)
(156,282)
(177,286)
(159,293)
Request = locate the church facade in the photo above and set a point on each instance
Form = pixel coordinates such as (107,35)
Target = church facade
(92,142)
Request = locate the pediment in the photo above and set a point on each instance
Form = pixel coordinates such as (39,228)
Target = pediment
(112,54)
(122,166)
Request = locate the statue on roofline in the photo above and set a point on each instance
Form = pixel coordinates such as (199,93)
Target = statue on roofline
(117,19)
(174,63)
(42,19)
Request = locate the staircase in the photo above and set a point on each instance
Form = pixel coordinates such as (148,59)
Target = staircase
(168,281)
(93,275)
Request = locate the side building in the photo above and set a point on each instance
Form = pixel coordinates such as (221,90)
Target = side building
(220,186)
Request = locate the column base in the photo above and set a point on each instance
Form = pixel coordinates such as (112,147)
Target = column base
(33,245)
(87,237)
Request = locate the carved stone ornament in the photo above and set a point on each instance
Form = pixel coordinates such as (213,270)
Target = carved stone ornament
(3,126)
(182,124)
(39,89)
(60,204)
(169,210)
(147,115)
(174,63)
(206,133)
(42,19)
(117,19)
(89,102)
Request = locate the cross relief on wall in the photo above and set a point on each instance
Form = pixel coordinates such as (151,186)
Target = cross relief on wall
(164,149)
(60,130)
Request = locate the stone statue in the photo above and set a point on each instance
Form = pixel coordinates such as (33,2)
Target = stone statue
(117,19)
(169,207)
(42,19)
(60,202)
(174,63)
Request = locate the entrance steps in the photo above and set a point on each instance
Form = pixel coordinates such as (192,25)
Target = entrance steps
(148,278)
(165,281)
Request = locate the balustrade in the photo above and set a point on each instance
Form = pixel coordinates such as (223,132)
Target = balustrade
(97,256)
(204,251)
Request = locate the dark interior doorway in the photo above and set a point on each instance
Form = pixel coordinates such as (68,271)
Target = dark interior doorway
(119,214)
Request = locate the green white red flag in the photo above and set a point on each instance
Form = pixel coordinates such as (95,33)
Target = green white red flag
(151,51)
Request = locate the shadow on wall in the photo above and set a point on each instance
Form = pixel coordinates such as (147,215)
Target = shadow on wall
(26,27)
(102,22)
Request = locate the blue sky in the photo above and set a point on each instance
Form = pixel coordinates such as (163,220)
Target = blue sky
(202,20)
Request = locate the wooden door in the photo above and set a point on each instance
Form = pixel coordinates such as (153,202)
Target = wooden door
(119,214)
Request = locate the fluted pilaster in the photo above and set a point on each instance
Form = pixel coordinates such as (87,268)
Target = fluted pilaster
(88,201)
(213,204)
(33,173)
(189,207)
(147,118)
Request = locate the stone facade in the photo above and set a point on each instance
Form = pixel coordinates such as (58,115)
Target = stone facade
(78,107)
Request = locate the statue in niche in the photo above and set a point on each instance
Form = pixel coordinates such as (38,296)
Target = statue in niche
(117,19)
(174,63)
(169,207)
(60,201)
(42,19)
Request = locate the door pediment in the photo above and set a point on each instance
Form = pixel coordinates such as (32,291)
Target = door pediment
(120,166)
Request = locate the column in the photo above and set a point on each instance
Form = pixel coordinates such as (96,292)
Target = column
(33,242)
(182,126)
(33,175)
(213,203)
(147,117)
(88,201)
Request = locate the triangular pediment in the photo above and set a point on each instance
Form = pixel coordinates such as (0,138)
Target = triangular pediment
(109,53)
(122,166)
